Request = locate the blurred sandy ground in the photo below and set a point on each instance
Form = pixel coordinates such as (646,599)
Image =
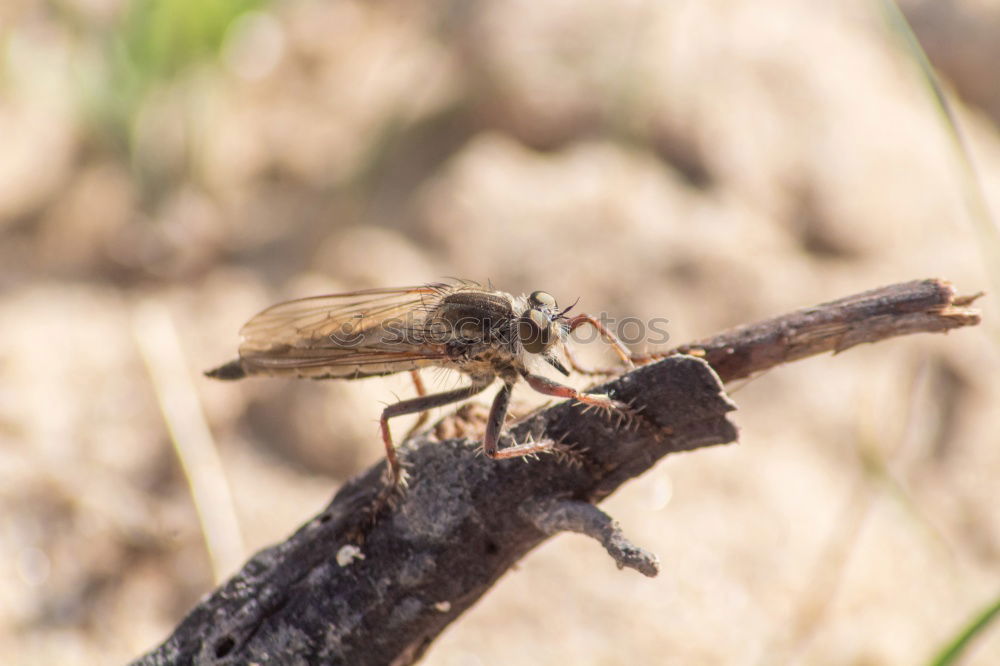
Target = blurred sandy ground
(709,162)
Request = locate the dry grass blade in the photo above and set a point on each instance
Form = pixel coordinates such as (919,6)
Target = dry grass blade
(161,350)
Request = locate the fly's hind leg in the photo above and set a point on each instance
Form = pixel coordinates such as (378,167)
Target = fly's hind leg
(418,384)
(420,404)
(395,476)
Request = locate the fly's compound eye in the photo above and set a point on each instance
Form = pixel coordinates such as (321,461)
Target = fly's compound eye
(542,299)
(534,332)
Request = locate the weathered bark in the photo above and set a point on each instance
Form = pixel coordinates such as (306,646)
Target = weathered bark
(345,590)
(920,306)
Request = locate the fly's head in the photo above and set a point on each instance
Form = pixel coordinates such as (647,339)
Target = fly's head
(540,328)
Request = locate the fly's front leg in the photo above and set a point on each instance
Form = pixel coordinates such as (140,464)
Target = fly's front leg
(643,359)
(494,428)
(584,370)
(609,337)
(421,404)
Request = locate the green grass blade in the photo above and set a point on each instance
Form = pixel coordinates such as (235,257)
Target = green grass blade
(953,651)
(975,200)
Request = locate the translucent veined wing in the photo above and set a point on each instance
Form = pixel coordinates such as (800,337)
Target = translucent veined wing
(355,334)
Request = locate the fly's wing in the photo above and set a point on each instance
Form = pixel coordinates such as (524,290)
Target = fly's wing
(357,334)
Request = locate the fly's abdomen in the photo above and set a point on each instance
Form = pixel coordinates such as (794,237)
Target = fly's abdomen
(232,370)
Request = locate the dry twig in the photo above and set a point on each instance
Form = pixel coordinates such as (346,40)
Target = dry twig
(326,596)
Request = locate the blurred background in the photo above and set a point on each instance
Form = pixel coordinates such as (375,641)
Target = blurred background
(169,167)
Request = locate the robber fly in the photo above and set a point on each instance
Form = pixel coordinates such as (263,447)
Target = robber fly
(480,332)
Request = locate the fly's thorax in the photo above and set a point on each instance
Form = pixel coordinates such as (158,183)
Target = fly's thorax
(497,328)
(475,317)
(497,361)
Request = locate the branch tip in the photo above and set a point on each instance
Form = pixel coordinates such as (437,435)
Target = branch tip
(963,301)
(552,516)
